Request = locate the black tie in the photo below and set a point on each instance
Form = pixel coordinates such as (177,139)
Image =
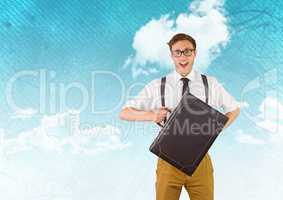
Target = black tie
(185,84)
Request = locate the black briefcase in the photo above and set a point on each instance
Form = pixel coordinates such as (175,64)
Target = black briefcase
(188,133)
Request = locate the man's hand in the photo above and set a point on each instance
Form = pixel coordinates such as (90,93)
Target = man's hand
(232,116)
(160,114)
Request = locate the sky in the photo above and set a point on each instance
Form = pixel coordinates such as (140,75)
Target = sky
(68,67)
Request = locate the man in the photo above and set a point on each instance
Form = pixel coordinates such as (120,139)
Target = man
(146,106)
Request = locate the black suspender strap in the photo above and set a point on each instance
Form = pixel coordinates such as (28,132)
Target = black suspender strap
(162,92)
(204,80)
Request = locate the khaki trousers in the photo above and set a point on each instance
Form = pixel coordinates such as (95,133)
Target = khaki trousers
(170,180)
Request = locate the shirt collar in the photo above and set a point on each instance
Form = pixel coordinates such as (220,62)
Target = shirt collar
(191,76)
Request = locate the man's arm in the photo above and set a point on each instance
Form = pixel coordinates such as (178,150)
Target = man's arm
(225,101)
(132,114)
(232,116)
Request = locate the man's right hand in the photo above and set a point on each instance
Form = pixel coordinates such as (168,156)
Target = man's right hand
(160,114)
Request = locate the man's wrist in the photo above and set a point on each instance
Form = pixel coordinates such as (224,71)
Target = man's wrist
(150,116)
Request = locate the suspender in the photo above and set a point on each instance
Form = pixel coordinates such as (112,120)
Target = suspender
(204,80)
(162,91)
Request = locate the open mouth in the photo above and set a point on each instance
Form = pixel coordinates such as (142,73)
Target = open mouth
(183,64)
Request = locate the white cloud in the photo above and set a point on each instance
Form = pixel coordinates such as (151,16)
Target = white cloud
(61,132)
(244,104)
(269,121)
(24,113)
(204,21)
(248,174)
(245,138)
(271,115)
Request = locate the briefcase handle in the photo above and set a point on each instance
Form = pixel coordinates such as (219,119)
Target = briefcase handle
(159,124)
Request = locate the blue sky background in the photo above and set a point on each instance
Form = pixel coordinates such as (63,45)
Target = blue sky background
(105,51)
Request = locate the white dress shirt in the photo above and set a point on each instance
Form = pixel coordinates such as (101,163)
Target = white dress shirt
(149,98)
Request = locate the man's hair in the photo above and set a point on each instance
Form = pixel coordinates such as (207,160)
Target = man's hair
(179,37)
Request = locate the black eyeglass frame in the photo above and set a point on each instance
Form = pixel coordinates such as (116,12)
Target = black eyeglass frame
(185,52)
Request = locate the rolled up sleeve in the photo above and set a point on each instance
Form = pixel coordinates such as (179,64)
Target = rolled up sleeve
(223,99)
(144,100)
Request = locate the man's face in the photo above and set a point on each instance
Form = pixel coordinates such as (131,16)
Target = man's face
(183,55)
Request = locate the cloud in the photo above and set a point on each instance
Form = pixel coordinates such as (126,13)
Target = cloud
(247,174)
(244,104)
(24,113)
(271,115)
(245,138)
(61,132)
(269,121)
(204,21)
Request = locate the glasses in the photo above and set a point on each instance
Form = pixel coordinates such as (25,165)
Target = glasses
(186,52)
